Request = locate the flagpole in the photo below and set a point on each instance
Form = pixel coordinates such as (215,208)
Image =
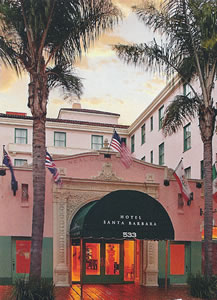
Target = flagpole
(178,164)
(112,137)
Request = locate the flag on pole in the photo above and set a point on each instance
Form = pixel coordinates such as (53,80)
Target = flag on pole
(183,183)
(214,181)
(7,162)
(126,157)
(116,144)
(52,168)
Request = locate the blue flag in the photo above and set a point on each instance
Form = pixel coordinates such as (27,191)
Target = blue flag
(7,163)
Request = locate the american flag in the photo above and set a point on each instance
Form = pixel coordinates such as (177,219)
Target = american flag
(116,144)
(126,157)
(52,168)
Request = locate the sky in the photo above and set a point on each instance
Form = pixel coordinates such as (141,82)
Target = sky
(109,84)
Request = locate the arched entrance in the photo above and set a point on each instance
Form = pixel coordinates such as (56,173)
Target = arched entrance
(110,230)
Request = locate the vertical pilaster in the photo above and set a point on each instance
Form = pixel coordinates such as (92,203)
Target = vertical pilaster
(61,265)
(150,263)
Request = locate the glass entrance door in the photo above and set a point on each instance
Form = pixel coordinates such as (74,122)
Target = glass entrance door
(92,259)
(112,259)
(104,261)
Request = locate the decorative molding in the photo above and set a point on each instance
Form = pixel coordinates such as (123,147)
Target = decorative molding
(107,174)
(150,177)
(69,198)
(78,199)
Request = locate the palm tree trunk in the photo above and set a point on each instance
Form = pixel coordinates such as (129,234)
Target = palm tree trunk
(38,95)
(38,196)
(208,208)
(207,123)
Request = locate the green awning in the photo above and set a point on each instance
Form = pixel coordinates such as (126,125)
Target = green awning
(123,215)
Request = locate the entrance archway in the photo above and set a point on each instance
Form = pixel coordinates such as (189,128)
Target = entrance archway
(109,228)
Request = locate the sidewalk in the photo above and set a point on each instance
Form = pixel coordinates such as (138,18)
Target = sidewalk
(115,292)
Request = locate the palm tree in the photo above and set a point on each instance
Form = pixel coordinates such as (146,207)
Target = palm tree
(189,28)
(43,38)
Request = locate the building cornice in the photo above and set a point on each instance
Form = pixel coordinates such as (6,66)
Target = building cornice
(64,124)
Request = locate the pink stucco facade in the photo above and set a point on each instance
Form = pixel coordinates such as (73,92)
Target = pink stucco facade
(16,215)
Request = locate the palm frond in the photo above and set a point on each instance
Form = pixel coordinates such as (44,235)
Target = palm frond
(181,109)
(8,56)
(79,24)
(62,76)
(161,58)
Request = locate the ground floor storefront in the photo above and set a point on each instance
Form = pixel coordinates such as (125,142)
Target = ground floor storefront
(107,261)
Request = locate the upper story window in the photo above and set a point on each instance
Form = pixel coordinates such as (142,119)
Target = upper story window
(161,154)
(124,140)
(160,115)
(59,139)
(20,162)
(151,157)
(151,123)
(143,134)
(132,143)
(96,142)
(187,91)
(20,136)
(188,172)
(187,137)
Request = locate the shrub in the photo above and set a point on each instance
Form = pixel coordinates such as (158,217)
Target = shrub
(202,287)
(33,290)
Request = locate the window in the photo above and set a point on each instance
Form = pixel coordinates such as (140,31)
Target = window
(187,137)
(96,142)
(187,90)
(188,173)
(143,134)
(20,136)
(20,162)
(151,123)
(201,169)
(132,143)
(160,114)
(124,140)
(143,158)
(161,154)
(24,192)
(59,139)
(151,157)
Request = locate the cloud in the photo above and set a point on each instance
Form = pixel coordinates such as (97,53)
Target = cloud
(7,78)
(102,51)
(94,102)
(126,5)
(153,85)
(57,101)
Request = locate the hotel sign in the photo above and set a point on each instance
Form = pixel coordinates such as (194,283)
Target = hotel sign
(124,214)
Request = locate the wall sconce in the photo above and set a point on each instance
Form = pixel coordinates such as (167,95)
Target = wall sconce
(166,182)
